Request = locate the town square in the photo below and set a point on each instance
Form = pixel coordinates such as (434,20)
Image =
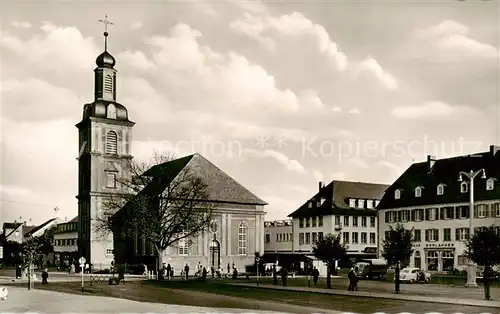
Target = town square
(250,156)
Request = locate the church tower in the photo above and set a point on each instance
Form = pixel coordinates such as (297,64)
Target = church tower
(105,137)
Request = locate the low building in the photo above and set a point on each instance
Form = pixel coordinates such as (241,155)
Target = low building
(341,207)
(65,241)
(14,231)
(429,198)
(278,241)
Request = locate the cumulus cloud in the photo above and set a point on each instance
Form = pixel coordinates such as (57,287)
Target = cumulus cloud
(61,50)
(372,67)
(453,39)
(294,24)
(354,111)
(43,101)
(431,109)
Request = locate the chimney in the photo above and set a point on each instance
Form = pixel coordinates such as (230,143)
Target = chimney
(431,160)
(321,185)
(494,150)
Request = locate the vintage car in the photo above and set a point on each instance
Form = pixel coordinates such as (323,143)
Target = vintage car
(371,268)
(412,274)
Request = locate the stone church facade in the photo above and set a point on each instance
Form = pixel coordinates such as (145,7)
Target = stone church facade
(234,235)
(105,138)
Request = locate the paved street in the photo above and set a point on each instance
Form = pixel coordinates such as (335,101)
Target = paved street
(420,289)
(21,300)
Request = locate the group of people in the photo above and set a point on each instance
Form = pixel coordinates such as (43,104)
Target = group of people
(201,271)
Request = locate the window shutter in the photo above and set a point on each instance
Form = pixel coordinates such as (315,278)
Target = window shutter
(457,212)
(451,212)
(441,212)
(427,235)
(436,232)
(476,212)
(400,215)
(457,234)
(412,215)
(487,209)
(387,216)
(427,213)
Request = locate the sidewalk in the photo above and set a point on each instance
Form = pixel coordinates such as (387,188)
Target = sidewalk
(380,295)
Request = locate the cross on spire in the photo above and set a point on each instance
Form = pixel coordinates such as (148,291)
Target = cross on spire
(106,23)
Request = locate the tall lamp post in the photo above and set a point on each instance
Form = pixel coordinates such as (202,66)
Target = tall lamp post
(471,268)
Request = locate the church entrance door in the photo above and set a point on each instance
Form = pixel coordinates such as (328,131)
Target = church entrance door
(215,254)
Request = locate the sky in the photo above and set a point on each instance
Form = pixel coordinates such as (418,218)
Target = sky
(279,95)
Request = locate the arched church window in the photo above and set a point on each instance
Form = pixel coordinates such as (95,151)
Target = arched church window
(243,238)
(111,143)
(108,83)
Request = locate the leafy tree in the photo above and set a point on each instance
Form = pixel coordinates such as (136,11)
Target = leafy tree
(157,203)
(397,248)
(330,249)
(483,248)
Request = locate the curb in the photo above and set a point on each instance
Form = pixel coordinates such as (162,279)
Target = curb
(416,298)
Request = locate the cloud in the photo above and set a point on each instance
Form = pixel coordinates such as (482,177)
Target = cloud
(136,25)
(137,60)
(354,111)
(452,39)
(290,164)
(20,24)
(337,109)
(295,24)
(371,66)
(60,50)
(44,101)
(431,109)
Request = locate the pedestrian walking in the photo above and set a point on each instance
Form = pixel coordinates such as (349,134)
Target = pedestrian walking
(186,271)
(315,274)
(45,276)
(284,276)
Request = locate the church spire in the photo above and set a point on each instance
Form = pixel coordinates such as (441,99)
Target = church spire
(105,74)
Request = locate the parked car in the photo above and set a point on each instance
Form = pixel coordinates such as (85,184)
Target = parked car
(412,274)
(371,268)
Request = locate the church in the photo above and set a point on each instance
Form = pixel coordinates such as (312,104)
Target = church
(105,137)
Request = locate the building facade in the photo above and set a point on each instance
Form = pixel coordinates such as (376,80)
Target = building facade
(234,236)
(430,199)
(65,242)
(278,237)
(105,137)
(341,207)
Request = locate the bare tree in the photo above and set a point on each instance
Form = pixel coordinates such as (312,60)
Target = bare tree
(163,202)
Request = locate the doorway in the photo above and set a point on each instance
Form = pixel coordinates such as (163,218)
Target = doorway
(215,254)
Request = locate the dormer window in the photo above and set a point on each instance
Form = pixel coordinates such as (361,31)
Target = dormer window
(418,191)
(440,189)
(464,187)
(369,203)
(361,203)
(352,203)
(397,194)
(490,184)
(310,205)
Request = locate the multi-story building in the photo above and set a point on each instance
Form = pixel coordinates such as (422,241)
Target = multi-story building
(278,237)
(341,207)
(430,199)
(65,241)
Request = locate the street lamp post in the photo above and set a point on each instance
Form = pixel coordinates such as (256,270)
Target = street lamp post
(471,267)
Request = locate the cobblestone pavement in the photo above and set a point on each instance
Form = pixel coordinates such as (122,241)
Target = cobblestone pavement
(22,301)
